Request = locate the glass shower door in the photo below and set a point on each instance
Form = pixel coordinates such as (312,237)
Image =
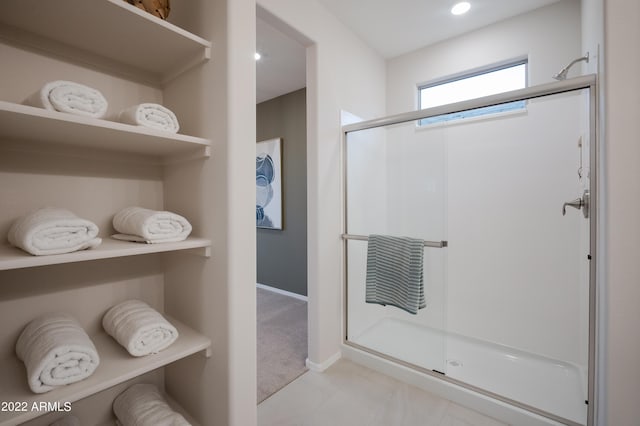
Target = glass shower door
(395,186)
(518,268)
(509,298)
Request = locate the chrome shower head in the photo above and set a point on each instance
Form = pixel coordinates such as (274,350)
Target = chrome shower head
(562,75)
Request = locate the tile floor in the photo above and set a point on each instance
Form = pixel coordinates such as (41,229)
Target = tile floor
(348,394)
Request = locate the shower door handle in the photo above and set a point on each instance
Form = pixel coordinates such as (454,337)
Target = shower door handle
(578,203)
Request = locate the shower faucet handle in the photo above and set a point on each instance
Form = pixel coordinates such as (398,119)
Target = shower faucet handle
(578,203)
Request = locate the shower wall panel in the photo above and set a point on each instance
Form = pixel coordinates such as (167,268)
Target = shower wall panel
(514,272)
(514,263)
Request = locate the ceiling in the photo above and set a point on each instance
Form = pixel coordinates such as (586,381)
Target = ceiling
(282,67)
(392,28)
(400,26)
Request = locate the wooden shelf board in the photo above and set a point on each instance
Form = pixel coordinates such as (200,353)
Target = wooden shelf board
(14,258)
(112,29)
(23,122)
(116,366)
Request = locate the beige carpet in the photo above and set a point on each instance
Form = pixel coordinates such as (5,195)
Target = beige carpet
(282,341)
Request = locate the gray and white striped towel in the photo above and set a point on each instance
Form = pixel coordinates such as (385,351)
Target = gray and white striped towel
(395,274)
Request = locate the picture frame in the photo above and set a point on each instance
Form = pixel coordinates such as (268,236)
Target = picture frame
(269,184)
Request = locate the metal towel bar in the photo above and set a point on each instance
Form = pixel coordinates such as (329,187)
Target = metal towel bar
(435,244)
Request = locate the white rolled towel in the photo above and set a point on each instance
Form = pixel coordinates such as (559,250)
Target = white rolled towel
(70,97)
(144,405)
(150,226)
(139,328)
(154,116)
(69,420)
(51,230)
(56,351)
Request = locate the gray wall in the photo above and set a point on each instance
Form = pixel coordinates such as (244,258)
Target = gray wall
(282,255)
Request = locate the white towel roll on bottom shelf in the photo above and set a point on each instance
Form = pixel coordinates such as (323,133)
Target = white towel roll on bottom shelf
(153,116)
(144,405)
(51,230)
(56,351)
(139,328)
(150,226)
(70,97)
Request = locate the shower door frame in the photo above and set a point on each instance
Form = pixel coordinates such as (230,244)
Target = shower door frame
(570,85)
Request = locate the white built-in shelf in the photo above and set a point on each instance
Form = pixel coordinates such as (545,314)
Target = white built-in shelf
(14,258)
(127,37)
(116,366)
(23,122)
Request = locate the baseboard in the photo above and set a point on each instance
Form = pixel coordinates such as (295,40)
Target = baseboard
(319,368)
(283,292)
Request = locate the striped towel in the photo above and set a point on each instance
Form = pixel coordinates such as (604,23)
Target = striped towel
(395,273)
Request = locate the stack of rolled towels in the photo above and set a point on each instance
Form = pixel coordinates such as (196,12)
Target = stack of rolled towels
(56,351)
(150,226)
(53,230)
(139,328)
(144,405)
(76,98)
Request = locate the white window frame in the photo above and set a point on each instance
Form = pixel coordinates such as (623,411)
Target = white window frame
(519,106)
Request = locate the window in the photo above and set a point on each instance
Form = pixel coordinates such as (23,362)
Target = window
(474,85)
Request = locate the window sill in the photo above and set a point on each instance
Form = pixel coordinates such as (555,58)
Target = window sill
(468,120)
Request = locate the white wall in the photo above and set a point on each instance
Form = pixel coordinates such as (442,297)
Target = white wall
(219,294)
(342,74)
(592,34)
(621,346)
(549,47)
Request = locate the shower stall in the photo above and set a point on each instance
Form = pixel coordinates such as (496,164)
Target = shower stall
(505,205)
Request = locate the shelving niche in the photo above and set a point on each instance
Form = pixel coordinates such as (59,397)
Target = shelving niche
(110,34)
(111,40)
(116,366)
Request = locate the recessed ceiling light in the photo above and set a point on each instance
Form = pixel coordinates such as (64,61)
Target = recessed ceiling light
(257,56)
(460,8)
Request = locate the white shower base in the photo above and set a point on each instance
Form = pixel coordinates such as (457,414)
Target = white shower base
(553,386)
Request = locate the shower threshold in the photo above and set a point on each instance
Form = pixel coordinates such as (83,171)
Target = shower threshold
(553,386)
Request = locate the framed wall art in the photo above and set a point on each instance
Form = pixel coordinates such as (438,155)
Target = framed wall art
(269,184)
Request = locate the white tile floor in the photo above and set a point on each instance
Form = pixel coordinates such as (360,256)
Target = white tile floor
(348,394)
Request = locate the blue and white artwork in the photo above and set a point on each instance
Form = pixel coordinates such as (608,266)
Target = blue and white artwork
(268,184)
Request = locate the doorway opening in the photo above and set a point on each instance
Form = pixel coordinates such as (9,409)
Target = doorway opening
(281,208)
